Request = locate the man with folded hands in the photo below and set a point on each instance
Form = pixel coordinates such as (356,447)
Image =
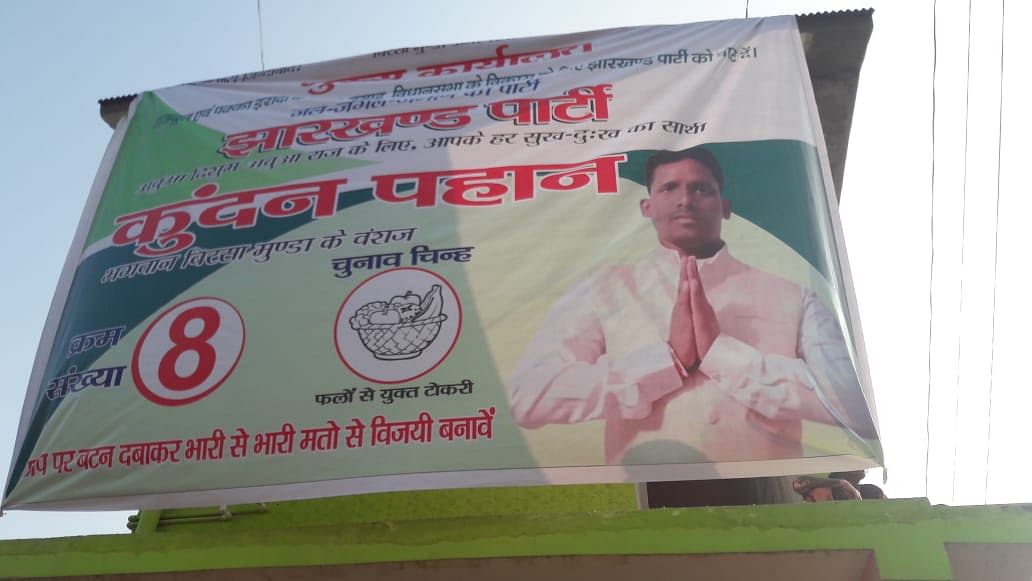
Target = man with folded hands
(689,355)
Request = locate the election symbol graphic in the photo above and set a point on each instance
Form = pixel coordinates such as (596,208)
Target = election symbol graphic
(401,328)
(398,325)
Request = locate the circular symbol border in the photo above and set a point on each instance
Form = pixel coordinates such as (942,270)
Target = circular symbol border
(155,398)
(340,313)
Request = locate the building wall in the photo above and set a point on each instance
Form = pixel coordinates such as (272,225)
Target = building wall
(406,532)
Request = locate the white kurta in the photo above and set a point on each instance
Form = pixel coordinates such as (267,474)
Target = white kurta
(602,354)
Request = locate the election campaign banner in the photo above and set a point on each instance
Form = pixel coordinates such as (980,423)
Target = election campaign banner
(597,257)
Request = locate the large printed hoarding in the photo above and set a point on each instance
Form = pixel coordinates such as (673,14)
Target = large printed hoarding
(604,256)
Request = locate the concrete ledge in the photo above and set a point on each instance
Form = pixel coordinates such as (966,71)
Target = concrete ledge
(907,537)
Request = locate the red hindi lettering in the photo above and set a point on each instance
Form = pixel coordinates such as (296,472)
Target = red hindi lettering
(311,133)
(421,429)
(385,188)
(37,466)
(275,443)
(320,439)
(469,427)
(62,461)
(595,99)
(575,176)
(242,144)
(450,118)
(381,430)
(322,195)
(93,458)
(321,87)
(499,60)
(487,187)
(222,211)
(153,235)
(238,449)
(484,422)
(356,432)
(141,229)
(206,448)
(541,111)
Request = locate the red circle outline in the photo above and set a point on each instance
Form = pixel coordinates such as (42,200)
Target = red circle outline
(340,312)
(138,380)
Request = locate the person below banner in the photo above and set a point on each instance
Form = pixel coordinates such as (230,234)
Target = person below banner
(688,354)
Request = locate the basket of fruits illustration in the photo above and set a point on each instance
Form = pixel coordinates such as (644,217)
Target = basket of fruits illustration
(401,328)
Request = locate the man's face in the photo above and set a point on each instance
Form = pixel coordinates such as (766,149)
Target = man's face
(685,205)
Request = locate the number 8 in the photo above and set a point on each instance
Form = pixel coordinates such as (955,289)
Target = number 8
(206,356)
(188,351)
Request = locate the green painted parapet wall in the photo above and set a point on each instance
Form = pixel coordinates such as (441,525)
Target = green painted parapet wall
(907,537)
(402,506)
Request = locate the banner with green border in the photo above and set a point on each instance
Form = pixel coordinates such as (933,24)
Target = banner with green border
(598,257)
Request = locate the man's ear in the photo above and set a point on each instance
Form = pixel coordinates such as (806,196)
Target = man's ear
(646,207)
(726,203)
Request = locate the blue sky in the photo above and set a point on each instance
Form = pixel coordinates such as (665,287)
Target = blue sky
(61,57)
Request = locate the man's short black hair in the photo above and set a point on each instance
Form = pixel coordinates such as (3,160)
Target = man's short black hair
(699,154)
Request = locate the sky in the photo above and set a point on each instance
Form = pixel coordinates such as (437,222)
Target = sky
(933,342)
